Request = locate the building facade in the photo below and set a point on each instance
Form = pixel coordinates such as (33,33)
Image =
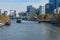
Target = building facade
(56,3)
(5,12)
(0,12)
(31,10)
(49,8)
(13,13)
(57,11)
(41,10)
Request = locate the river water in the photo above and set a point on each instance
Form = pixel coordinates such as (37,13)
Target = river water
(29,30)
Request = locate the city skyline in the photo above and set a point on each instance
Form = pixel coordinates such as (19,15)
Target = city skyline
(20,5)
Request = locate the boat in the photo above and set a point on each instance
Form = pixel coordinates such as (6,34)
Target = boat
(18,21)
(7,23)
(1,23)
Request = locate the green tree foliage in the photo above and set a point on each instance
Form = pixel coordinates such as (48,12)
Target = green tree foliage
(41,17)
(45,16)
(57,18)
(48,16)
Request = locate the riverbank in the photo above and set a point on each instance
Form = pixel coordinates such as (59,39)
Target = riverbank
(50,22)
(6,19)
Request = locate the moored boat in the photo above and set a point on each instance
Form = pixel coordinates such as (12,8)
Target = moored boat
(7,23)
(1,23)
(18,21)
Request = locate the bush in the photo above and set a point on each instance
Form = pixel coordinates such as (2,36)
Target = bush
(57,18)
(48,16)
(41,16)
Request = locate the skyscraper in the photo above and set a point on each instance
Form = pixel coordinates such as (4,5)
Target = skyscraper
(41,10)
(15,13)
(56,3)
(53,2)
(31,10)
(49,8)
(0,11)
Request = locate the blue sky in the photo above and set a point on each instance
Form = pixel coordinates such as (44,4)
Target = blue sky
(20,5)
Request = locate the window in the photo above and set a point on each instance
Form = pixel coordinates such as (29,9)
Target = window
(59,4)
(48,6)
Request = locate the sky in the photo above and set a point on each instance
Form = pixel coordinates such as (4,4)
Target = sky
(20,5)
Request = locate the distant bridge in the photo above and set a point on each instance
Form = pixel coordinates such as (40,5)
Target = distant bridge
(44,20)
(36,18)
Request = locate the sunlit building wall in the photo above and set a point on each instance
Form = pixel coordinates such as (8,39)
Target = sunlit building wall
(5,12)
(13,13)
(41,10)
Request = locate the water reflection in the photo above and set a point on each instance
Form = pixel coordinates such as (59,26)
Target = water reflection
(30,31)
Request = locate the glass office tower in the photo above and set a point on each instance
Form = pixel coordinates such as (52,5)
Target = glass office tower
(53,2)
(56,3)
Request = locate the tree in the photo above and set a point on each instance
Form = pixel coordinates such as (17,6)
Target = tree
(48,16)
(35,15)
(41,17)
(57,18)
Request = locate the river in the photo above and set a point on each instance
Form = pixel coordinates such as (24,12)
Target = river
(30,31)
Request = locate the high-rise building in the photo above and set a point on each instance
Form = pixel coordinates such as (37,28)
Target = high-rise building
(41,10)
(13,13)
(53,2)
(37,11)
(5,12)
(49,8)
(57,11)
(31,10)
(0,11)
(21,14)
(56,3)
